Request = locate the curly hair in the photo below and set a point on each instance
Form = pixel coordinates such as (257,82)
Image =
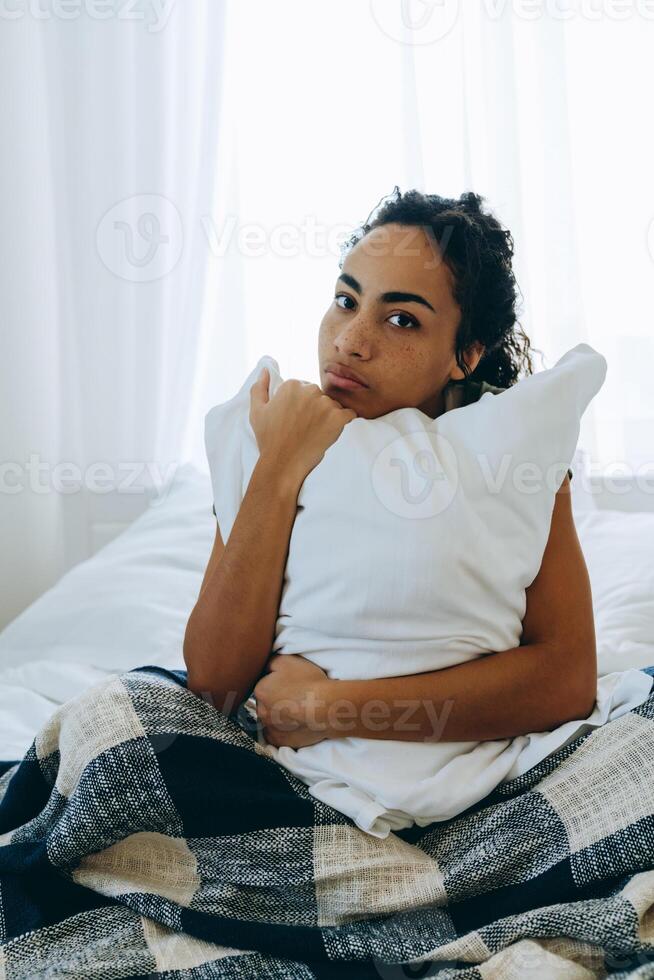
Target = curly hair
(479,253)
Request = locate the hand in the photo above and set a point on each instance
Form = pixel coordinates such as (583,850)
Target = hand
(291,697)
(297,425)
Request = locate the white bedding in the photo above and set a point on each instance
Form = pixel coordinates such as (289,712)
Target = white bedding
(125,607)
(128,605)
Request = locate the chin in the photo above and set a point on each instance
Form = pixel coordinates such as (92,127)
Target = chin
(337,394)
(342,397)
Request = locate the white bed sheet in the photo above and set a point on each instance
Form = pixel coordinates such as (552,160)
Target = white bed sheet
(125,607)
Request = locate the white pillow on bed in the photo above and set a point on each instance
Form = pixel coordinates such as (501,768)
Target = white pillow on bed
(390,572)
(619,552)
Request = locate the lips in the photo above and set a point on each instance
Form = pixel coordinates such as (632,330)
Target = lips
(338,375)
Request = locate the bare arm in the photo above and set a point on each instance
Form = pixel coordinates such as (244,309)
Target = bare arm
(230,631)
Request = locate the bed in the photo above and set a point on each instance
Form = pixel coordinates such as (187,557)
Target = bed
(128,605)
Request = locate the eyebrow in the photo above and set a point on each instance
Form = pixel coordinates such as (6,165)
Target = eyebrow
(392,297)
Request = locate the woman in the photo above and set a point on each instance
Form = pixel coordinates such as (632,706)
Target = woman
(146,831)
(424,315)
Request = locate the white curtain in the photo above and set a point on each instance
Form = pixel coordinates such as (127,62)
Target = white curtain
(175,187)
(110,122)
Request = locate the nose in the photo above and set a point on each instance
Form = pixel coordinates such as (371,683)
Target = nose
(354,337)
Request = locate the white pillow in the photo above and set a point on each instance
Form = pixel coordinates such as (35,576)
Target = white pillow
(127,605)
(390,572)
(400,573)
(619,552)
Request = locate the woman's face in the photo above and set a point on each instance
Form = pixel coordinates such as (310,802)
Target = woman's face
(392,322)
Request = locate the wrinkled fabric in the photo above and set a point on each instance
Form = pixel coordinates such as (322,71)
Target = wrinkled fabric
(147,834)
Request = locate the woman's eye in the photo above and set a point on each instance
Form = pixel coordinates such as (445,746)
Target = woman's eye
(409,324)
(412,324)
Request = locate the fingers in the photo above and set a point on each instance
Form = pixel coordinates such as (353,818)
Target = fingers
(291,739)
(259,391)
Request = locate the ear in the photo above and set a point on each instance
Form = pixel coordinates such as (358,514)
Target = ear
(472,357)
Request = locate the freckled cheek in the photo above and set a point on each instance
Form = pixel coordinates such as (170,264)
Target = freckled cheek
(413,371)
(412,361)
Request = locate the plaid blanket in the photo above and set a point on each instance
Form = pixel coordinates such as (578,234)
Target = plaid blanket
(146,834)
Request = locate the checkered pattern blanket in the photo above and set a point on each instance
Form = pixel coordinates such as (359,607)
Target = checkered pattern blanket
(146,834)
